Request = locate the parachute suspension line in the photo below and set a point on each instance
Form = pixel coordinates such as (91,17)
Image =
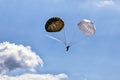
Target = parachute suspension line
(55,38)
(73,35)
(80,40)
(60,39)
(65,41)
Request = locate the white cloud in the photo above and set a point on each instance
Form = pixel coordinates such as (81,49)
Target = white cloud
(106,3)
(34,77)
(14,57)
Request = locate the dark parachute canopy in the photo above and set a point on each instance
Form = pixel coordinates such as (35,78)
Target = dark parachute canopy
(54,24)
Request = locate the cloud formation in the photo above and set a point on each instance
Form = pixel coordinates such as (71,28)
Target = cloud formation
(14,57)
(34,77)
(105,3)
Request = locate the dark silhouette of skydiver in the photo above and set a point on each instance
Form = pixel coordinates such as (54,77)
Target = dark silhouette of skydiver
(67,47)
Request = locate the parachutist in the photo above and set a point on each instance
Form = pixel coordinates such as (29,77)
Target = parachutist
(67,48)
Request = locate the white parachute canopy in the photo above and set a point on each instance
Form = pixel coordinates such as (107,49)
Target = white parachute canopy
(87,27)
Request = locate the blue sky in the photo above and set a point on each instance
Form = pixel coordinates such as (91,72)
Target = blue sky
(94,58)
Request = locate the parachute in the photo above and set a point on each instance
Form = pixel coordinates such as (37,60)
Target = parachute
(87,27)
(54,24)
(54,28)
